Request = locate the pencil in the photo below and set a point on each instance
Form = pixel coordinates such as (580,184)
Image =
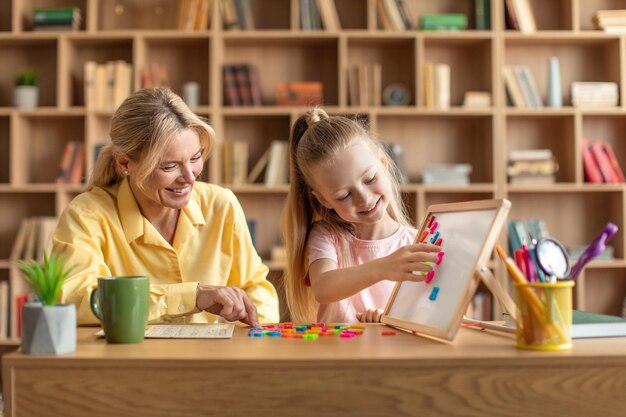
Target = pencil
(533,300)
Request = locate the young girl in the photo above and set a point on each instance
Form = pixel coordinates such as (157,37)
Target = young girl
(346,232)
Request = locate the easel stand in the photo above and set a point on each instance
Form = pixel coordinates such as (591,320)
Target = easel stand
(503,297)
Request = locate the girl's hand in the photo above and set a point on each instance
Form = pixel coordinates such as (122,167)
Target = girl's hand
(400,265)
(371,315)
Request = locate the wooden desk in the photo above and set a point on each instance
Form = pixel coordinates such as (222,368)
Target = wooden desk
(480,373)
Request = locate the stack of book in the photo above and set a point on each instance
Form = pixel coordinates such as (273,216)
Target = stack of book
(436,85)
(594,94)
(521,87)
(107,85)
(611,21)
(447,174)
(241,85)
(57,18)
(365,85)
(600,163)
(394,15)
(531,166)
(449,21)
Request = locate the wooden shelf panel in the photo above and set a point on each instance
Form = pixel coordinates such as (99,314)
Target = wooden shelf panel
(603,290)
(137,15)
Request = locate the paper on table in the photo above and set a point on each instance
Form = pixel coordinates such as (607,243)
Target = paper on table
(187,331)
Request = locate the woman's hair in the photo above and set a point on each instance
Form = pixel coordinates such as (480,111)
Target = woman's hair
(142,128)
(317,138)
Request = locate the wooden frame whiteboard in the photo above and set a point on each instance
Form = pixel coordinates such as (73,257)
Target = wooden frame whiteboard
(469,231)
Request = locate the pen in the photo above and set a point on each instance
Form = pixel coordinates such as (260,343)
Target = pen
(533,300)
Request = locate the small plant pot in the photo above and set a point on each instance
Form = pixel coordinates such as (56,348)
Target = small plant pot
(26,96)
(48,330)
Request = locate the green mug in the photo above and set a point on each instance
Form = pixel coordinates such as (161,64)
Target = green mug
(121,304)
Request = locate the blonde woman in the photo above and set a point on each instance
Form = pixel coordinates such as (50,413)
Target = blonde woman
(145,214)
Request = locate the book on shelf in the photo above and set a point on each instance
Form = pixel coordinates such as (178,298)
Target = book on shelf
(604,164)
(590,166)
(613,162)
(245,16)
(259,166)
(482,14)
(611,21)
(277,170)
(585,325)
(447,21)
(510,18)
(390,15)
(310,18)
(57,19)
(241,85)
(528,86)
(436,78)
(576,251)
(405,14)
(106,85)
(329,15)
(365,85)
(187,14)
(72,162)
(524,15)
(4,310)
(513,88)
(235,163)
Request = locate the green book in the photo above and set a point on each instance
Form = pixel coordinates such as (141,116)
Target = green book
(596,325)
(482,14)
(449,21)
(55,16)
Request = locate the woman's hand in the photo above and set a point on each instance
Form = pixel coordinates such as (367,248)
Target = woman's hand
(232,303)
(371,315)
(401,265)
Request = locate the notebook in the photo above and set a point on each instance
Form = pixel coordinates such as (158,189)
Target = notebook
(596,325)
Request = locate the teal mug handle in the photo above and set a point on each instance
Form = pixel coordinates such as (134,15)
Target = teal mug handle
(95,305)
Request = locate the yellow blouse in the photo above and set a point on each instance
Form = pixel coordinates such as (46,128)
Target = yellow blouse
(103,233)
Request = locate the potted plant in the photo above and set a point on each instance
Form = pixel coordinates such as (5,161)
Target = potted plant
(26,93)
(47,326)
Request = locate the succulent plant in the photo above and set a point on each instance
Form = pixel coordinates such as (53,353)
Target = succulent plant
(46,278)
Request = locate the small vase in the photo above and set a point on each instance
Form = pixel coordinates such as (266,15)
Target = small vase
(48,330)
(26,96)
(555,95)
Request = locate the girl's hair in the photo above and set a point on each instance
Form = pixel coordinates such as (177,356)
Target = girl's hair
(142,128)
(317,138)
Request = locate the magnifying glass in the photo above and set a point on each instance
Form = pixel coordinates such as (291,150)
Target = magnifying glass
(552,258)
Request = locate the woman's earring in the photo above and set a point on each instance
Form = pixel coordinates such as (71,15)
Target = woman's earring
(126,173)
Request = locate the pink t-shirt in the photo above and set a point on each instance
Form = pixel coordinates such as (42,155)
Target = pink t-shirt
(322,244)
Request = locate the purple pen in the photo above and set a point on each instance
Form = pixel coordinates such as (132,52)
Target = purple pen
(594,249)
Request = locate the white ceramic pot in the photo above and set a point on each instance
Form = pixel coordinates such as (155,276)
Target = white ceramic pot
(48,330)
(26,96)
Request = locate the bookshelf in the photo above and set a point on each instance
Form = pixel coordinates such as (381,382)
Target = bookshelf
(144,32)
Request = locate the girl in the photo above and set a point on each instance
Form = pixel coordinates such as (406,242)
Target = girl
(346,232)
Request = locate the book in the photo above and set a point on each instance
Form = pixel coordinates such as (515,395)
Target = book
(590,165)
(448,21)
(442,86)
(525,16)
(603,162)
(259,166)
(477,99)
(527,84)
(617,169)
(586,325)
(513,88)
(329,15)
(482,14)
(231,89)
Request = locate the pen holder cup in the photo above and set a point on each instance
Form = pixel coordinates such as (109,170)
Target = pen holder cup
(544,315)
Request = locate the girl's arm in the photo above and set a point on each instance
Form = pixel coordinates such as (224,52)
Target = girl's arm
(331,284)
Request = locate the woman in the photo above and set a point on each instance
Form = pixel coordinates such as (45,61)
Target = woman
(145,214)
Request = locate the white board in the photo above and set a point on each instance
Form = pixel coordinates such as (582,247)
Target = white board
(469,231)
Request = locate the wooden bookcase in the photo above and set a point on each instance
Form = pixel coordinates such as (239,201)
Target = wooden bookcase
(144,31)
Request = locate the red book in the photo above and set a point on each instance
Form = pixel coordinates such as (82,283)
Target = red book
(20,302)
(603,162)
(617,169)
(243,85)
(592,171)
